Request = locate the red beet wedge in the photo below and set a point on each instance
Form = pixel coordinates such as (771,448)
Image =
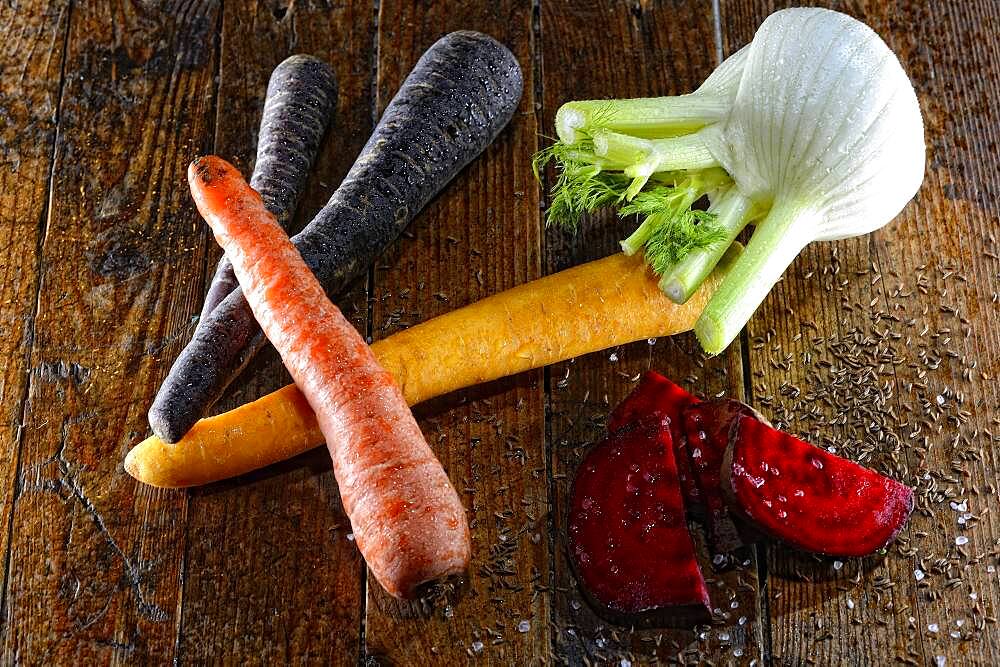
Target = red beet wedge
(707,427)
(808,497)
(628,537)
(656,395)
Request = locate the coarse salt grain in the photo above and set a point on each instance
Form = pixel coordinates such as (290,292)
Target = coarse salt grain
(837,564)
(918,575)
(933,627)
(961,539)
(477,647)
(939,661)
(524,626)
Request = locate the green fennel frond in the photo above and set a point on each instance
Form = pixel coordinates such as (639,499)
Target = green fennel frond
(674,238)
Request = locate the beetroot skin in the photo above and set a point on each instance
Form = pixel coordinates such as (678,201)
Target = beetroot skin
(808,497)
(656,395)
(628,537)
(707,428)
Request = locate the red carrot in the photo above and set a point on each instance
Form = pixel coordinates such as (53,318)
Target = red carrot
(408,521)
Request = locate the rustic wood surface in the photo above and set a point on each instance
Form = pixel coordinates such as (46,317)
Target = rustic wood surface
(103,264)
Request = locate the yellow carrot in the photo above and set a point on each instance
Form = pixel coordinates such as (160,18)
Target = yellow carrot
(591,307)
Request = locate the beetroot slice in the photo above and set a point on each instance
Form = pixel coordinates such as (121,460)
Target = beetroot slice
(656,395)
(707,427)
(628,537)
(810,498)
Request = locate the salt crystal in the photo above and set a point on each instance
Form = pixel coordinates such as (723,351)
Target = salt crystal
(850,603)
(601,642)
(933,627)
(574,605)
(524,626)
(991,569)
(960,622)
(625,662)
(955,634)
(743,620)
(734,604)
(724,636)
(918,575)
(939,661)
(737,652)
(940,399)
(651,341)
(961,539)
(838,564)
(449,611)
(960,507)
(696,453)
(477,646)
(613,358)
(718,559)
(831,449)
(350,537)
(973,596)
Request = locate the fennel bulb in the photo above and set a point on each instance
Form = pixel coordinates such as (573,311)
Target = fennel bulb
(821,138)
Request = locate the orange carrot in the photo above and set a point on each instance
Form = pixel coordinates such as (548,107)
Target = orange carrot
(591,307)
(408,521)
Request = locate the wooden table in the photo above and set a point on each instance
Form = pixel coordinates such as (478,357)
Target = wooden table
(886,347)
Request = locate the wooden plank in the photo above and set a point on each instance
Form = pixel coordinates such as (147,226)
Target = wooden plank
(270,572)
(630,50)
(913,352)
(479,237)
(32,52)
(97,558)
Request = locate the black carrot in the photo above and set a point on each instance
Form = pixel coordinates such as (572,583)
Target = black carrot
(301,97)
(460,94)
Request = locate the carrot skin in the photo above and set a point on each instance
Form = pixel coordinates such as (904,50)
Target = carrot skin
(591,307)
(300,100)
(461,93)
(407,518)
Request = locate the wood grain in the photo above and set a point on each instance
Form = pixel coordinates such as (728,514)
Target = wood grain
(899,322)
(630,50)
(96,557)
(26,140)
(103,263)
(269,570)
(480,236)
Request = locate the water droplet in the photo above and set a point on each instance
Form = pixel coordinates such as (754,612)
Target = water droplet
(799,493)
(816,462)
(782,514)
(696,453)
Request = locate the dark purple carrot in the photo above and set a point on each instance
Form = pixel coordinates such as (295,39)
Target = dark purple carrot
(301,98)
(458,97)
